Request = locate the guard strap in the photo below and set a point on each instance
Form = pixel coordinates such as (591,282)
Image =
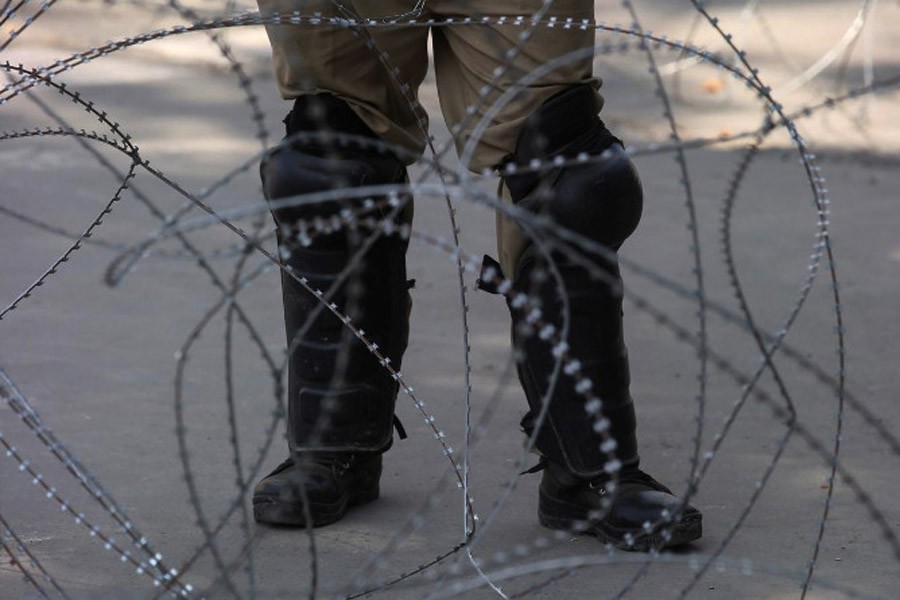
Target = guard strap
(488,275)
(401,431)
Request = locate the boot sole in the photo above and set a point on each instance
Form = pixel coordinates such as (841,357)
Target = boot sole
(566,517)
(275,512)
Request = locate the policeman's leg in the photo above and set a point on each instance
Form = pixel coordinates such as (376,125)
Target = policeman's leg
(340,396)
(362,82)
(588,436)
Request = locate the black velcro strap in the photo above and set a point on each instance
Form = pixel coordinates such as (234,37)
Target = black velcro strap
(540,466)
(398,425)
(489,275)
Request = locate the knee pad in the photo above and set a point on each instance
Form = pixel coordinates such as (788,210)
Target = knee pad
(600,198)
(324,162)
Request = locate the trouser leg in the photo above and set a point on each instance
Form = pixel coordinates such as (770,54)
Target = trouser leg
(474,68)
(377,71)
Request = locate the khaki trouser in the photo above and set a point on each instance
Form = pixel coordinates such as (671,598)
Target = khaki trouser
(378,71)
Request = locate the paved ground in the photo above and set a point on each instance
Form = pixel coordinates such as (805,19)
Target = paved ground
(96,362)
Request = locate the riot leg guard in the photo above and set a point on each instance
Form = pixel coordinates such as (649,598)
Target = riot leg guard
(601,199)
(585,451)
(340,396)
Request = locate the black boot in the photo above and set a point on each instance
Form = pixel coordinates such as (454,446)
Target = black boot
(329,483)
(635,513)
(340,397)
(588,436)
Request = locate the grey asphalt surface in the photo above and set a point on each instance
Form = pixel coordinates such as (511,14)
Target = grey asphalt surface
(98,362)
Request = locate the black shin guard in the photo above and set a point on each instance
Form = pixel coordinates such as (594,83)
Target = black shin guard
(572,432)
(601,199)
(340,398)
